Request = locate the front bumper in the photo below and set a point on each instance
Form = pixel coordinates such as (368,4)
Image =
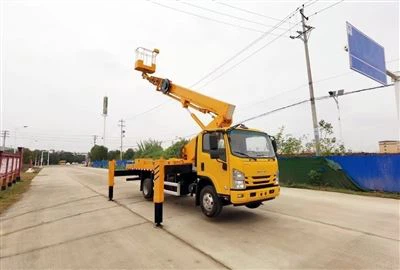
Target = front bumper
(239,197)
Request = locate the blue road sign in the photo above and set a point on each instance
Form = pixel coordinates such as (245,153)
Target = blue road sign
(366,56)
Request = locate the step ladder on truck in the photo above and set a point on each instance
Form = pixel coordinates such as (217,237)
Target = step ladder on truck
(222,165)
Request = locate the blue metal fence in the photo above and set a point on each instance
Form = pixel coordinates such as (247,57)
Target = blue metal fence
(120,164)
(372,172)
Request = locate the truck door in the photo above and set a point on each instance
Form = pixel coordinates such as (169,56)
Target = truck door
(214,169)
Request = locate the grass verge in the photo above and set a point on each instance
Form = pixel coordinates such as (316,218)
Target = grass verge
(380,194)
(14,193)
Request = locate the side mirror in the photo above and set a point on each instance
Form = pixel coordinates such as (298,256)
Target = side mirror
(274,145)
(213,140)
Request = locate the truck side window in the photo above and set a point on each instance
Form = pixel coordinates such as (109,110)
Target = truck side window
(221,144)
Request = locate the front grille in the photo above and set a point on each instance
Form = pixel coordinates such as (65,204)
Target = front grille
(261,177)
(259,186)
(260,182)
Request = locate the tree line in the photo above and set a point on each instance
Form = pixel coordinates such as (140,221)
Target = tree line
(145,149)
(329,145)
(54,158)
(287,145)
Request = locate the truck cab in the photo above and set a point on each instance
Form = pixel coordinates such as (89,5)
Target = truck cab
(238,166)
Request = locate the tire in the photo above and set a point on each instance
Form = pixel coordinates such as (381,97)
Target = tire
(210,203)
(253,205)
(147,189)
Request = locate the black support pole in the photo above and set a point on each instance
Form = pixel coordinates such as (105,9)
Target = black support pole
(110,192)
(158,214)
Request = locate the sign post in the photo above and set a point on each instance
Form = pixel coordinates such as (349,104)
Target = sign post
(368,58)
(366,55)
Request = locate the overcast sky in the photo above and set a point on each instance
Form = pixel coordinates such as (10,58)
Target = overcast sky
(59,58)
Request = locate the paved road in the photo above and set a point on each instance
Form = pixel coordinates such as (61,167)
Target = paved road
(65,221)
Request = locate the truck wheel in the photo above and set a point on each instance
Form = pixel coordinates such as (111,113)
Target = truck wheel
(147,189)
(253,205)
(210,203)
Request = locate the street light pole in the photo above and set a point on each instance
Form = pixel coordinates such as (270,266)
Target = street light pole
(41,159)
(15,138)
(335,95)
(121,125)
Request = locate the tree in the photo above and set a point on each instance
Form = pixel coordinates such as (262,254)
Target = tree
(113,154)
(174,151)
(129,154)
(149,149)
(98,152)
(27,156)
(287,144)
(327,142)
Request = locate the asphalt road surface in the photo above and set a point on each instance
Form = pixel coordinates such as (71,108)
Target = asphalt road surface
(65,221)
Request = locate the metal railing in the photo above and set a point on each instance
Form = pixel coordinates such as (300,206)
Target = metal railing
(10,168)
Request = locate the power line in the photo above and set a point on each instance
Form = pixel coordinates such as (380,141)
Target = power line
(275,110)
(358,91)
(241,51)
(229,15)
(206,18)
(147,111)
(254,42)
(325,8)
(310,3)
(249,56)
(248,11)
(228,60)
(307,100)
(281,109)
(304,85)
(245,48)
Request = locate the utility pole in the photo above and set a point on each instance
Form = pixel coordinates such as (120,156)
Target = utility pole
(15,137)
(5,134)
(94,139)
(121,125)
(304,35)
(105,112)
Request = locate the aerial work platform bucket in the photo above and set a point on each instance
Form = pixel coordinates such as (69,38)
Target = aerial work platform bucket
(146,60)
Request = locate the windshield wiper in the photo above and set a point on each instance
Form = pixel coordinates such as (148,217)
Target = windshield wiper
(244,154)
(236,126)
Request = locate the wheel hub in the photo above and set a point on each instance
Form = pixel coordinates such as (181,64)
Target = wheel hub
(208,202)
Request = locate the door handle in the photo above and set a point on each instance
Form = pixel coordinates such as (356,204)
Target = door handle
(202,166)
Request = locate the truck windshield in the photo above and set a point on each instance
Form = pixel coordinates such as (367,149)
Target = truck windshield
(253,144)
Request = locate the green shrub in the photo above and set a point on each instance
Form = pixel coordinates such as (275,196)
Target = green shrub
(315,178)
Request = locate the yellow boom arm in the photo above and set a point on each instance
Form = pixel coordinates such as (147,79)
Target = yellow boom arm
(221,111)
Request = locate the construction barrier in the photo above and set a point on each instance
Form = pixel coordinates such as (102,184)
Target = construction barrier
(372,172)
(313,171)
(120,164)
(10,168)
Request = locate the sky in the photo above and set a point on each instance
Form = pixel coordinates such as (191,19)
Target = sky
(60,58)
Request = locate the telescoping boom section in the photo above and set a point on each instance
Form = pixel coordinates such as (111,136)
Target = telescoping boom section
(222,165)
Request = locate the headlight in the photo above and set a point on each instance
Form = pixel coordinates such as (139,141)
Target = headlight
(277,178)
(238,180)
